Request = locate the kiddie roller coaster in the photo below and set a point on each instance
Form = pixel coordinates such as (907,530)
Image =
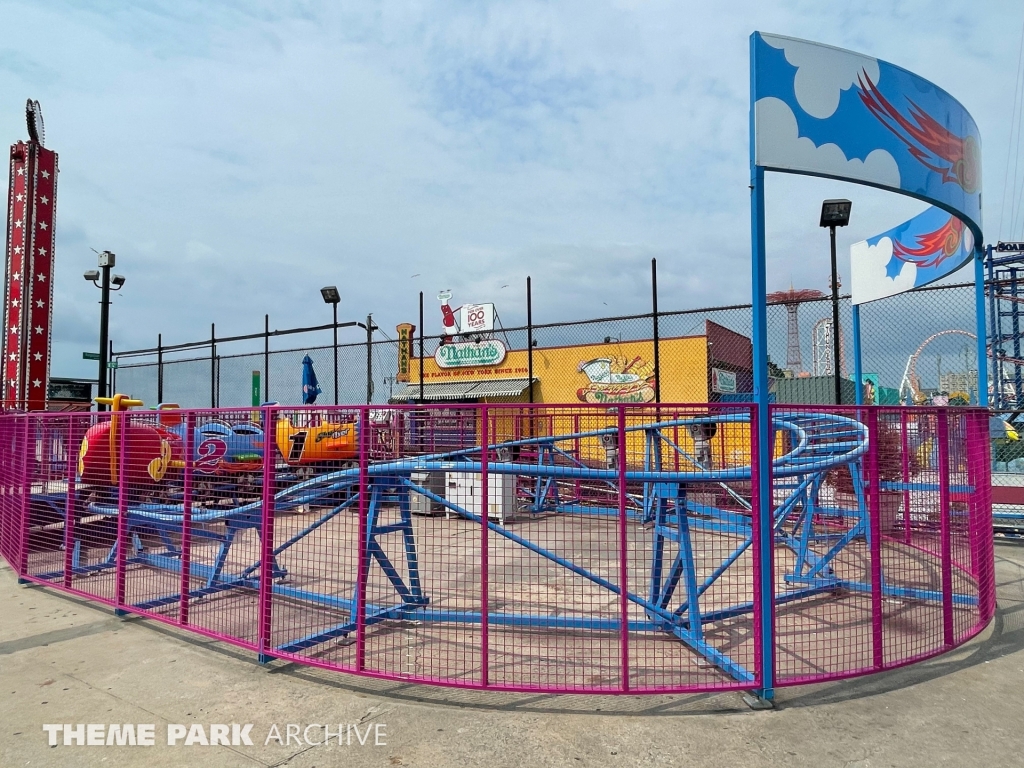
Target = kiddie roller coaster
(688,503)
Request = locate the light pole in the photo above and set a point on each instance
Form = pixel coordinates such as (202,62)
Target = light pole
(835,213)
(106,263)
(332,297)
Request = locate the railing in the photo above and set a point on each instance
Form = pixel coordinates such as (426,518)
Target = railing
(568,549)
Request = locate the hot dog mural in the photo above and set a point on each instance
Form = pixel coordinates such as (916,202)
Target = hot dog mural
(617,379)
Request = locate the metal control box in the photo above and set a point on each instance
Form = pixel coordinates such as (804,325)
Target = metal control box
(429,481)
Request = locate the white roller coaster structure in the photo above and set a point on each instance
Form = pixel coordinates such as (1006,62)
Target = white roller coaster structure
(910,383)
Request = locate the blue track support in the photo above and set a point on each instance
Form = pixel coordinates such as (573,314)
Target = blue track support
(858,366)
(979,309)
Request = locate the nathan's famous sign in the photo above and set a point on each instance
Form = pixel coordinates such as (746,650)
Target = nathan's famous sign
(470,354)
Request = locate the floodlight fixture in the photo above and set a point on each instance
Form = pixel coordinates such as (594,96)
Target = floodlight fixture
(330,294)
(92,275)
(117,281)
(835,213)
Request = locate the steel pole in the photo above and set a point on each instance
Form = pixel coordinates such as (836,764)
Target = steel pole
(213,365)
(657,339)
(159,368)
(421,347)
(835,320)
(858,364)
(266,358)
(982,332)
(334,305)
(101,383)
(529,337)
(369,359)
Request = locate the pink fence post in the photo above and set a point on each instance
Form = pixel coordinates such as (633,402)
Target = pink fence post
(362,558)
(25,488)
(484,517)
(905,468)
(121,563)
(874,538)
(186,515)
(623,561)
(942,433)
(69,504)
(264,642)
(979,476)
(755,539)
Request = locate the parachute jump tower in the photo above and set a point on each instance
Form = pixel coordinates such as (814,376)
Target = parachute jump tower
(791,301)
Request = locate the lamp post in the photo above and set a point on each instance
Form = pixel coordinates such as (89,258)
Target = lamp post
(835,213)
(106,263)
(332,297)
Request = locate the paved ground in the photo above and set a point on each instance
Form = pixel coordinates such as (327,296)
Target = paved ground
(62,660)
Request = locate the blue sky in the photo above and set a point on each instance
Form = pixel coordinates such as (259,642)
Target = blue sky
(237,156)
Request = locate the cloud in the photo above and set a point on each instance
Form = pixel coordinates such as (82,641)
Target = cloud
(779,145)
(822,73)
(869,272)
(265,149)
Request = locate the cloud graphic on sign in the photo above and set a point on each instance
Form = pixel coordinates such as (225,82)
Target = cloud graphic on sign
(822,73)
(869,272)
(779,145)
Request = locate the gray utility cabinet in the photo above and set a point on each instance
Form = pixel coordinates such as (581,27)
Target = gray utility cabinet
(433,482)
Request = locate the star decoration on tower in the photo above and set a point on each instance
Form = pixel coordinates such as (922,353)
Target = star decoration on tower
(46,174)
(41,277)
(19,197)
(44,200)
(36,383)
(39,329)
(16,276)
(16,303)
(38,356)
(42,251)
(42,225)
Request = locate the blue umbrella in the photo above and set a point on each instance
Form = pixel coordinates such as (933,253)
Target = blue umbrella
(310,388)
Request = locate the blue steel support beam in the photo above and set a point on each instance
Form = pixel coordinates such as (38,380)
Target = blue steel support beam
(858,368)
(758,290)
(979,308)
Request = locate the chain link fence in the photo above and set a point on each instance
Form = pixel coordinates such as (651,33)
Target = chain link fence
(915,346)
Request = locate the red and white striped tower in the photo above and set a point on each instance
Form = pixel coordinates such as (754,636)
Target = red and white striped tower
(28,291)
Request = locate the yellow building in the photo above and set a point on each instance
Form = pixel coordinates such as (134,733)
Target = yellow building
(694,369)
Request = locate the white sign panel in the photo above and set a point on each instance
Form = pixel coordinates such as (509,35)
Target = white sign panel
(476,318)
(723,382)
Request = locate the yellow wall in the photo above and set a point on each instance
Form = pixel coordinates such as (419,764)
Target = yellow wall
(684,377)
(561,381)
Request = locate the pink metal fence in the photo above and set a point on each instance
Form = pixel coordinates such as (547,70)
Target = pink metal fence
(569,549)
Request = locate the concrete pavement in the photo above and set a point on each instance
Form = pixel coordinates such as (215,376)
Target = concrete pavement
(63,660)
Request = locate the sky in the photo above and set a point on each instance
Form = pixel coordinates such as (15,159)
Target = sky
(237,156)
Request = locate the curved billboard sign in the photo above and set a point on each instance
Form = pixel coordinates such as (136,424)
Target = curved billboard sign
(825,111)
(929,246)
